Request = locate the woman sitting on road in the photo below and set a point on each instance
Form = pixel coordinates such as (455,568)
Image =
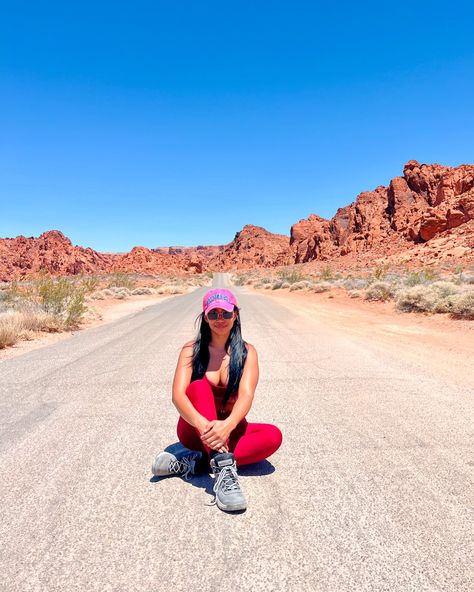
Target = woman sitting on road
(213,390)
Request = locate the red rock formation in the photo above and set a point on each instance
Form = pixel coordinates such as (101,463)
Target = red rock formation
(51,251)
(449,193)
(148,261)
(311,239)
(252,247)
(426,202)
(424,216)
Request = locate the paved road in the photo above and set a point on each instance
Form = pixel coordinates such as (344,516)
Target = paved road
(371,490)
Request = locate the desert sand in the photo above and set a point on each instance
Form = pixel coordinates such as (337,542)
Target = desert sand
(437,343)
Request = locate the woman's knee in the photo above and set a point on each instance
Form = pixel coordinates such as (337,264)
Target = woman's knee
(274,437)
(198,388)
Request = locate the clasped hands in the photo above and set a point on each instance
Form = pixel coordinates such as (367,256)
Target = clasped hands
(215,434)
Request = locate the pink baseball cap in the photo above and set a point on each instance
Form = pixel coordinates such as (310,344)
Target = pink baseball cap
(218,298)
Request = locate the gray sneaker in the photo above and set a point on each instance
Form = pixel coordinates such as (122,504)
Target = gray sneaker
(228,495)
(184,463)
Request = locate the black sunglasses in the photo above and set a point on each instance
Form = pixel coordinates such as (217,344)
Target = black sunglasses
(213,315)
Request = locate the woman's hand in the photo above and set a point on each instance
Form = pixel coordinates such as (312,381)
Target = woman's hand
(216,435)
(203,425)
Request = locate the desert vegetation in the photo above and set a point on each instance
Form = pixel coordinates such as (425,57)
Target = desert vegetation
(422,290)
(47,304)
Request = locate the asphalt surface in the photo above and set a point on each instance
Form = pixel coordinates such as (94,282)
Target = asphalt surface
(370,491)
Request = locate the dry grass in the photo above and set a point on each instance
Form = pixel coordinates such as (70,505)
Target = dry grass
(47,304)
(10,329)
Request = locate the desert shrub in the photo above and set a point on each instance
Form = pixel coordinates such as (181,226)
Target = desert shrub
(239,280)
(170,289)
(100,295)
(380,272)
(465,278)
(117,292)
(75,310)
(327,273)
(445,304)
(352,283)
(3,294)
(62,298)
(424,276)
(89,283)
(463,306)
(444,288)
(392,278)
(379,291)
(446,293)
(354,294)
(142,291)
(17,292)
(291,276)
(121,280)
(303,285)
(266,280)
(418,298)
(122,294)
(321,287)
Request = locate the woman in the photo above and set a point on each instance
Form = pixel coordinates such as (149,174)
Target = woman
(213,390)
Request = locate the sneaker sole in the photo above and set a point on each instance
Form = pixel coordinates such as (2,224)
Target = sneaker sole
(228,508)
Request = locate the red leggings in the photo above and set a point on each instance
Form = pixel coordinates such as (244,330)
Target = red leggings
(250,442)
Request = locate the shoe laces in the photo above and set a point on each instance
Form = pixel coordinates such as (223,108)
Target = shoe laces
(183,466)
(227,480)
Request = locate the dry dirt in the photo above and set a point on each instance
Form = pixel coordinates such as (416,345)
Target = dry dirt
(435,342)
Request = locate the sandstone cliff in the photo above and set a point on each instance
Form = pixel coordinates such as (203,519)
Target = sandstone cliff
(424,216)
(252,247)
(428,201)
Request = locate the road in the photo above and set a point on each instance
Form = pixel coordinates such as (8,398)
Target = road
(370,491)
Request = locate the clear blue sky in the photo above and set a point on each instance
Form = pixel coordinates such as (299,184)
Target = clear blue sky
(177,123)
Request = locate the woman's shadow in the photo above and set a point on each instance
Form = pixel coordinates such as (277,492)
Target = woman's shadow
(204,481)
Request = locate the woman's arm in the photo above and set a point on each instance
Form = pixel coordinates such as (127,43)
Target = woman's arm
(182,378)
(247,386)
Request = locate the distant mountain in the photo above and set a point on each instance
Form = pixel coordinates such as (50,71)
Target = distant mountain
(425,216)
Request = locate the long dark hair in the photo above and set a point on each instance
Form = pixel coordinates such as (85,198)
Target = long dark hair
(235,346)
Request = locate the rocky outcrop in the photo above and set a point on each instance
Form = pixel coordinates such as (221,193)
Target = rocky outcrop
(449,193)
(151,261)
(426,202)
(423,216)
(312,239)
(51,251)
(252,247)
(21,257)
